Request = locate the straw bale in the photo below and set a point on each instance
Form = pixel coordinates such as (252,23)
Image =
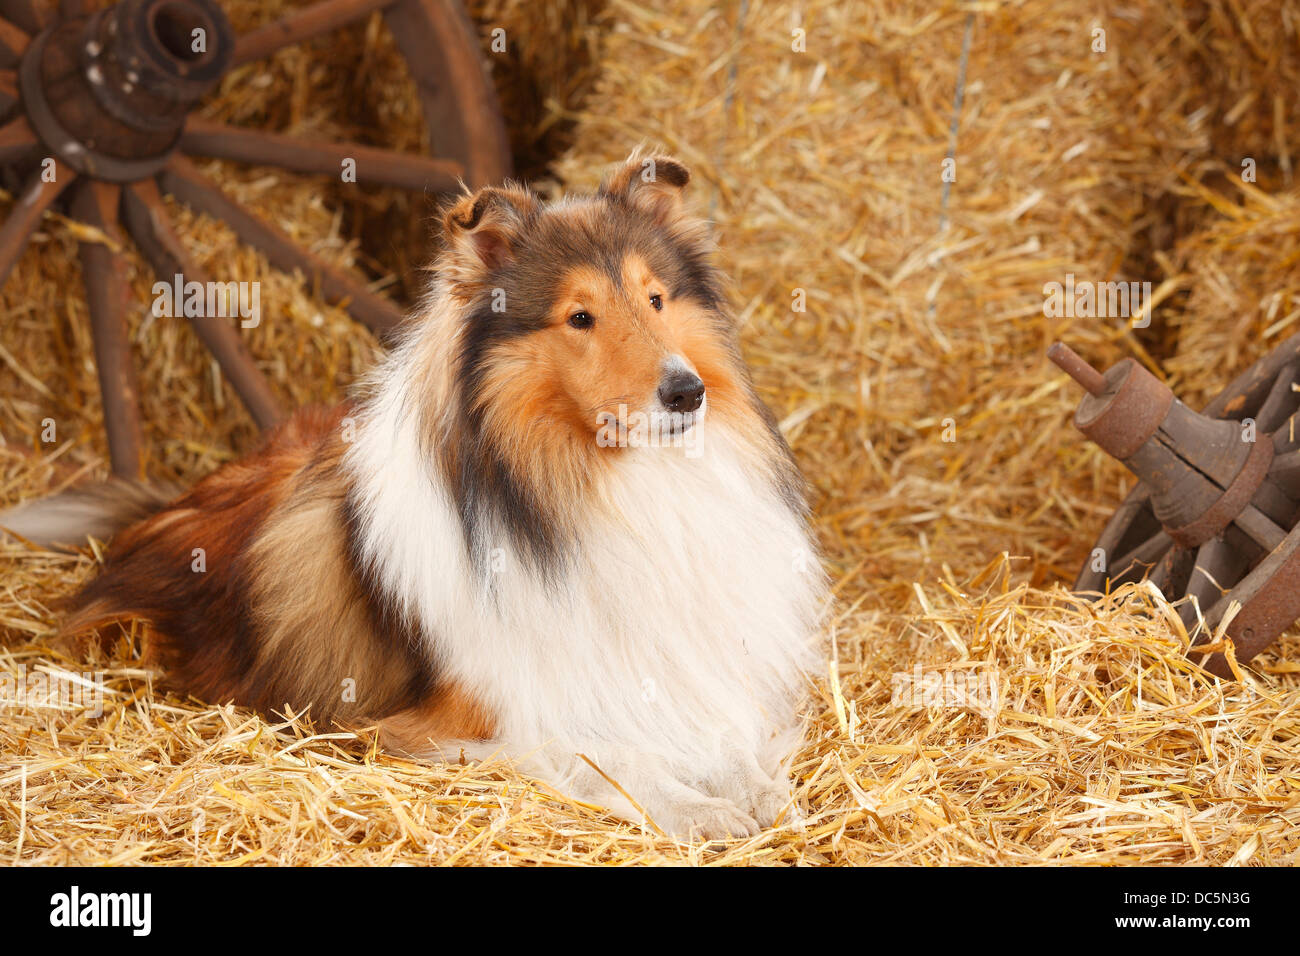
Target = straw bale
(925,320)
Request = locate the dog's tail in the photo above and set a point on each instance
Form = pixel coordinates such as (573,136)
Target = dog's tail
(100,510)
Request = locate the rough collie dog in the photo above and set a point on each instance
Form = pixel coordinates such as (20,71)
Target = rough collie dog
(557,525)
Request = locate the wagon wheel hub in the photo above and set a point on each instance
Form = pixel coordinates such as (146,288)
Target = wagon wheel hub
(109,94)
(1215,522)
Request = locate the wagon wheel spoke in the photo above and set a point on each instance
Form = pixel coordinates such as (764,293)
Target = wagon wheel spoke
(17,141)
(13,42)
(382,166)
(1171,574)
(70,9)
(147,221)
(1210,580)
(108,294)
(1287,436)
(22,14)
(1260,528)
(26,214)
(1285,473)
(184,181)
(8,90)
(302,25)
(1144,556)
(1162,574)
(1280,402)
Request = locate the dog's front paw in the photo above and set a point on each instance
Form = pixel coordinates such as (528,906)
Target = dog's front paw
(768,802)
(741,780)
(708,818)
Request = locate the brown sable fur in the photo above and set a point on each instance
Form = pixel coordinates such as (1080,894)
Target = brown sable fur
(279,616)
(550,320)
(450,715)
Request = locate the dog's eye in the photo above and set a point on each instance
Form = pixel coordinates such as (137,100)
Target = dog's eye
(657,301)
(581,320)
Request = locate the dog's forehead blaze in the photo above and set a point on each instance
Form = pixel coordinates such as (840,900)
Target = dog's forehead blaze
(583,286)
(601,290)
(637,274)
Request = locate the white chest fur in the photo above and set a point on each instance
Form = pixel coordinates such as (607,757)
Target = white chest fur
(682,626)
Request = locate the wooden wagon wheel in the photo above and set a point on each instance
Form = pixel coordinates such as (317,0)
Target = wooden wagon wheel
(1215,515)
(97,117)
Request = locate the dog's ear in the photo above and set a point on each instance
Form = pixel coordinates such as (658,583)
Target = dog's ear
(483,230)
(651,183)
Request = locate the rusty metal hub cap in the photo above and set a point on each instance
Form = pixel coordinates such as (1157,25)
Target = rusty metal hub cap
(109,94)
(1214,521)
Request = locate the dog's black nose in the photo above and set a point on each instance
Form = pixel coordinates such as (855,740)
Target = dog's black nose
(682,391)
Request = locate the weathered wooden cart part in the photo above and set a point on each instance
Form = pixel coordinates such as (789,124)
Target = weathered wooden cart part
(108,296)
(1214,520)
(104,102)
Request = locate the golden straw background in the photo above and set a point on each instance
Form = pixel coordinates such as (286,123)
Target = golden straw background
(822,171)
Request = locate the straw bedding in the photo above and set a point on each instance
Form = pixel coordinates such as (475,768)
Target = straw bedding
(953,500)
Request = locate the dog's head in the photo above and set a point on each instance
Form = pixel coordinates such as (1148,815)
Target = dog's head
(583,312)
